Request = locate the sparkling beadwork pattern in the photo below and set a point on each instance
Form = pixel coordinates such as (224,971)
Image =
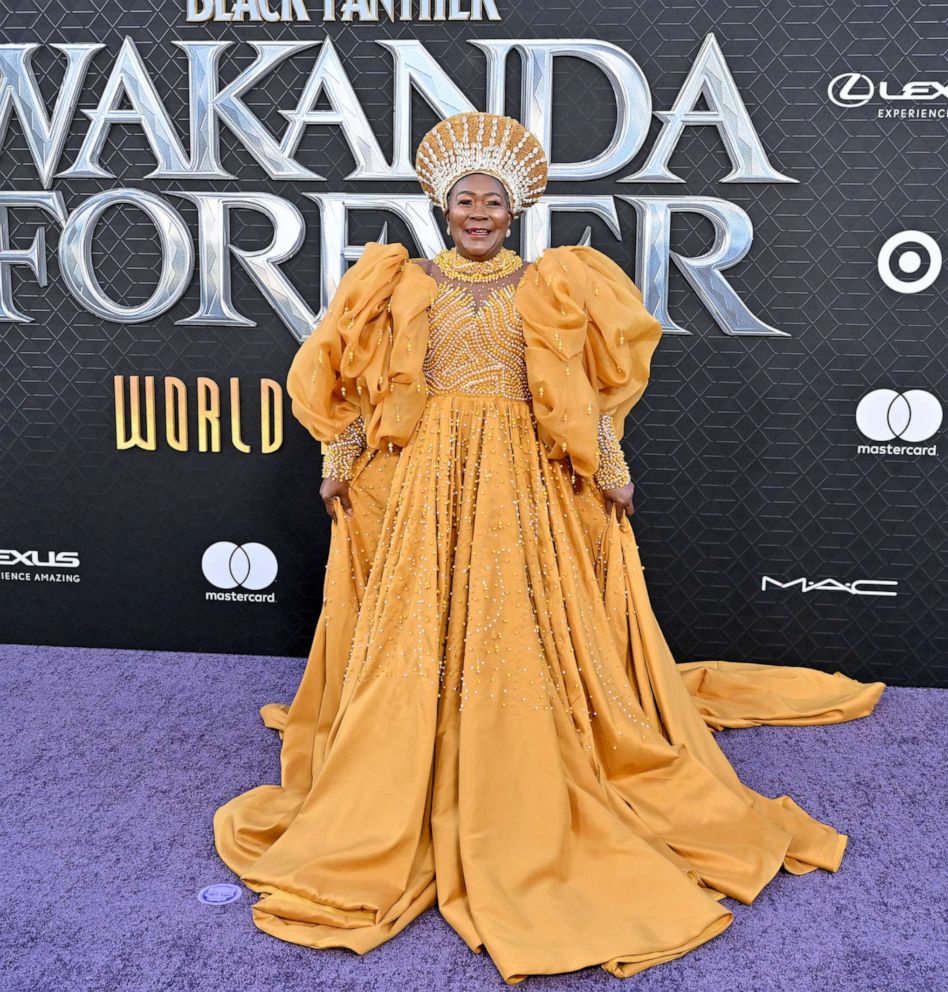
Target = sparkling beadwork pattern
(454,265)
(481,595)
(342,452)
(475,463)
(480,142)
(476,350)
(613,472)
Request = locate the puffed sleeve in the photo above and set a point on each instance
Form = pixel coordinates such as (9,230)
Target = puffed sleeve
(589,344)
(364,357)
(621,335)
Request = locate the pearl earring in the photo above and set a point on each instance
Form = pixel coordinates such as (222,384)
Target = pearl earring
(447,229)
(508,232)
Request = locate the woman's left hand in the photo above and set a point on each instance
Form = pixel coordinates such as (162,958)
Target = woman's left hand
(619,500)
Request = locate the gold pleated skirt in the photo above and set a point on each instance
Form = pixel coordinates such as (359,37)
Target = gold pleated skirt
(490,721)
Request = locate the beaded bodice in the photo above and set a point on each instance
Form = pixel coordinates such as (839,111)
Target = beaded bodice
(475,340)
(475,347)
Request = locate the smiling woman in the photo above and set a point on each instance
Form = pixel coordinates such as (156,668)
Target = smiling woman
(490,719)
(478,216)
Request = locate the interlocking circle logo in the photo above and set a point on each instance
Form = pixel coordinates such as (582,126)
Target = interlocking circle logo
(850,89)
(228,565)
(917,264)
(884,414)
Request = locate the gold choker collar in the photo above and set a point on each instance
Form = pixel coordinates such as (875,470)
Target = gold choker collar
(454,265)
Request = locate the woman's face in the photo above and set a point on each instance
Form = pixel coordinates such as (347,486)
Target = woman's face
(477,216)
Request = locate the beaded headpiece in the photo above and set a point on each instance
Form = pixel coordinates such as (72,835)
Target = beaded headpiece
(479,142)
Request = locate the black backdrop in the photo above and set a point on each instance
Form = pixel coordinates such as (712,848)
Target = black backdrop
(744,448)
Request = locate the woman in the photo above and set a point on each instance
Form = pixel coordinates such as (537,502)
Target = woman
(490,718)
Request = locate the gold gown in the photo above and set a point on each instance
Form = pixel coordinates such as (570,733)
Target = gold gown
(490,719)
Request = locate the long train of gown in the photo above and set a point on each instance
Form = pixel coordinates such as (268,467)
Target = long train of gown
(553,786)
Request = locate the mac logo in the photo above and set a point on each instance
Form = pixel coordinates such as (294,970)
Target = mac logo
(861,587)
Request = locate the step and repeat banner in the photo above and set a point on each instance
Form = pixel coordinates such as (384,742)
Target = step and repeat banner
(182,185)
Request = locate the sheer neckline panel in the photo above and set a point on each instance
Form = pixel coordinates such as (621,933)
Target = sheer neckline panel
(479,291)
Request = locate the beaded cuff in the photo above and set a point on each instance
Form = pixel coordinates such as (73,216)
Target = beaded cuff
(613,471)
(341,453)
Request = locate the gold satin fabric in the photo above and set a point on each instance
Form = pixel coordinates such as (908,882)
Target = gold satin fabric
(490,721)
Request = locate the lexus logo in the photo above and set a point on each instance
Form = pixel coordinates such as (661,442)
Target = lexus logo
(850,89)
(885,414)
(855,89)
(228,565)
(45,559)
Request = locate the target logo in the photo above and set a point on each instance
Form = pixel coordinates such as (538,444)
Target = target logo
(909,262)
(911,416)
(850,89)
(227,565)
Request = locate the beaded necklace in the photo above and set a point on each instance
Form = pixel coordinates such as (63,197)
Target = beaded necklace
(454,265)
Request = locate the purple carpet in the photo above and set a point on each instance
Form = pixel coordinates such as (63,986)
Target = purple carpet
(116,760)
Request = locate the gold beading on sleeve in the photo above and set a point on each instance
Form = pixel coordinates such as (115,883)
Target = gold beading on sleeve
(342,452)
(613,472)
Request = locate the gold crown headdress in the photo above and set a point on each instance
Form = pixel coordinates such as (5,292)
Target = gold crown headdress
(479,142)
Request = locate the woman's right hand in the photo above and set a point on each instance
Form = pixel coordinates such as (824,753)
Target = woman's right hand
(330,490)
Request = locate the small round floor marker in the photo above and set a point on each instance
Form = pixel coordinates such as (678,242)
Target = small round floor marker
(220,894)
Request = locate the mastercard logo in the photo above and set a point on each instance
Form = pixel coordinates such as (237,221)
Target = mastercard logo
(885,414)
(227,565)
